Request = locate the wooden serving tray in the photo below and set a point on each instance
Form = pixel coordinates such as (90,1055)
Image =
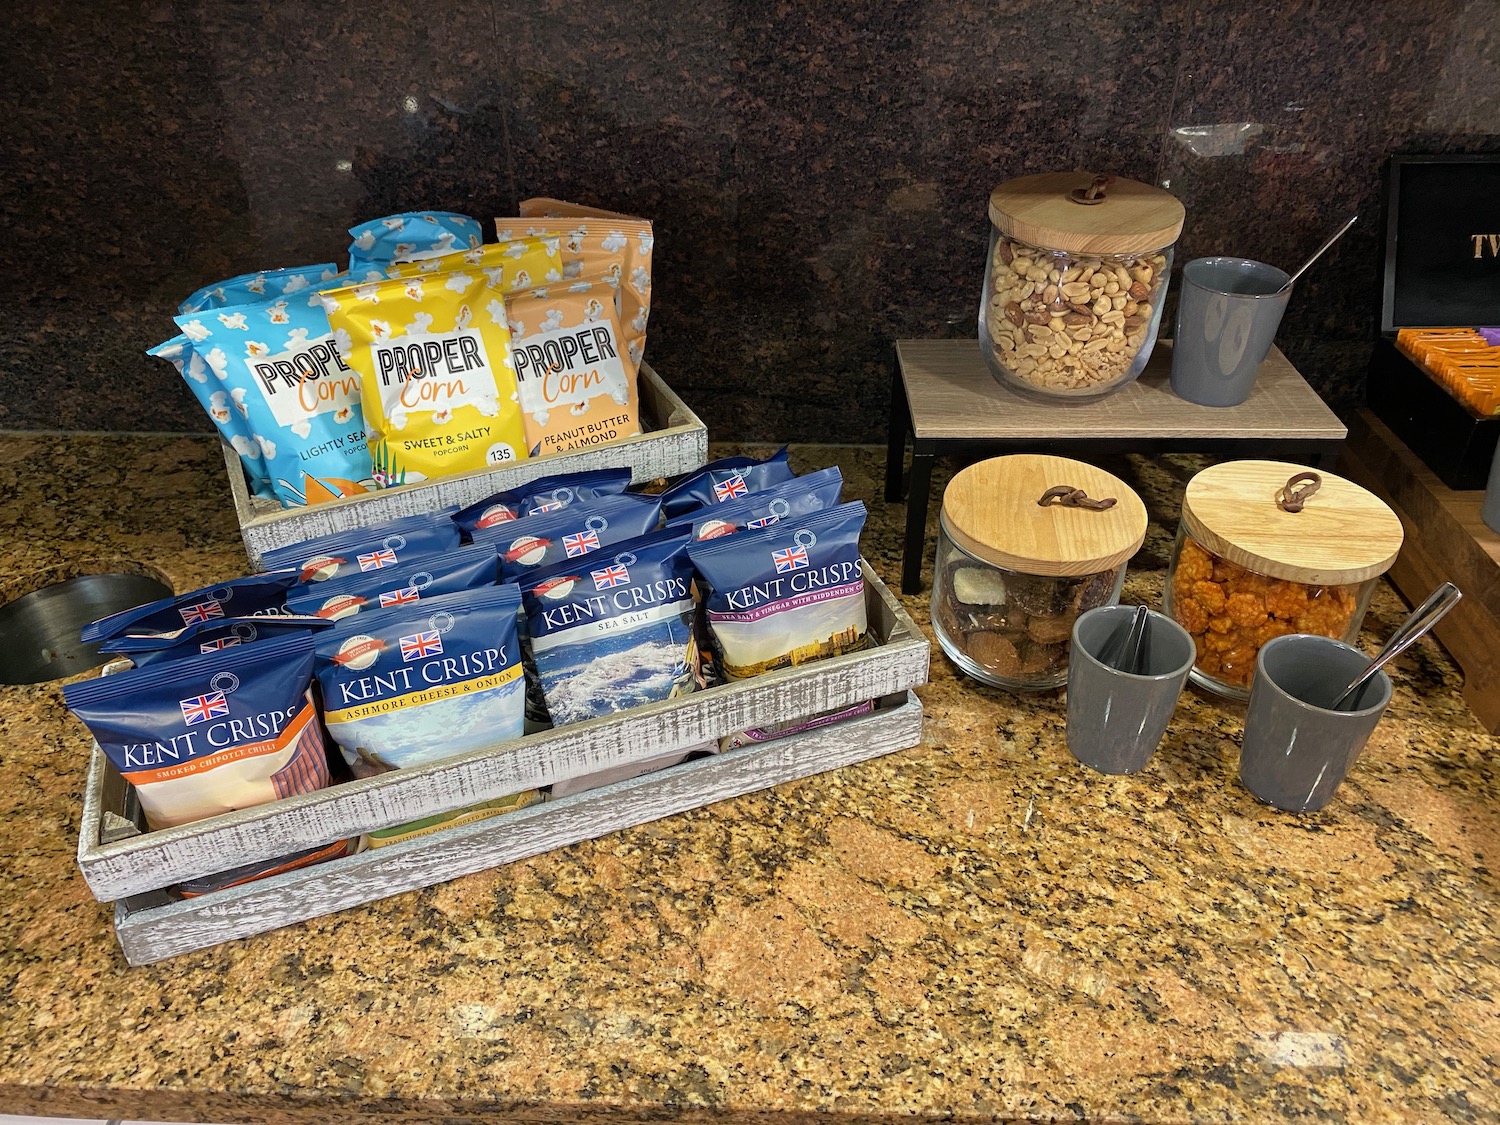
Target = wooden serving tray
(151,928)
(118,859)
(675,442)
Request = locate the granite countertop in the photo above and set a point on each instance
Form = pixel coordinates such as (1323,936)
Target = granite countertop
(976,928)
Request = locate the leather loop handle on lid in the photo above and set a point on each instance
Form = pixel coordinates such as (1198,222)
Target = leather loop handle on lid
(1092,194)
(1070,497)
(1297,491)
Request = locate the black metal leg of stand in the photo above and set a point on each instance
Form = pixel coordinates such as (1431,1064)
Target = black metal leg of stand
(916,518)
(900,425)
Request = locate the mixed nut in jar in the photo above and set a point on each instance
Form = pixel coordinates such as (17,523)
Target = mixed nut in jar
(1266,549)
(1077,273)
(1027,543)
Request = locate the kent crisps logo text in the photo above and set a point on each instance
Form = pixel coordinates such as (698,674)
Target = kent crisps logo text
(789,585)
(207,739)
(624,600)
(412,677)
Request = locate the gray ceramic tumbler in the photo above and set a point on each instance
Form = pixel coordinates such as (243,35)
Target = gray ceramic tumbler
(1115,718)
(1296,752)
(1228,311)
(1490,510)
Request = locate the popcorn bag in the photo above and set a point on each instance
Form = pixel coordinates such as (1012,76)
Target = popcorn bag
(436,374)
(511,265)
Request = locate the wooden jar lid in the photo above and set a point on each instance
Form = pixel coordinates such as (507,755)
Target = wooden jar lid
(1134,218)
(990,510)
(1343,534)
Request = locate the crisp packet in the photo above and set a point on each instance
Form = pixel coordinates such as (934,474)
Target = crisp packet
(419,683)
(728,478)
(615,630)
(577,530)
(786,594)
(385,837)
(363,549)
(514,265)
(577,384)
(208,636)
(426,576)
(280,360)
(254,596)
(225,409)
(265,868)
(266,285)
(610,248)
(790,499)
(409,236)
(439,383)
(545,494)
(210,734)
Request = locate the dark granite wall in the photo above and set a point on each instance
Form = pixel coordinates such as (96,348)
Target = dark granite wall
(817,172)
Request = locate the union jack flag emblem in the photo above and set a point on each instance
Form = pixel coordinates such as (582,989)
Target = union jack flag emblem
(580,544)
(764,521)
(793,558)
(612,575)
(377,559)
(729,489)
(197,614)
(419,645)
(201,708)
(547,506)
(222,642)
(400,597)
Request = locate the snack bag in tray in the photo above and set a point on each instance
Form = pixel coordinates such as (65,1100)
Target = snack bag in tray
(412,235)
(436,373)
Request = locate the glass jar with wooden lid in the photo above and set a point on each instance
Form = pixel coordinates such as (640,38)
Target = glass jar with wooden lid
(1073,290)
(1265,549)
(1027,543)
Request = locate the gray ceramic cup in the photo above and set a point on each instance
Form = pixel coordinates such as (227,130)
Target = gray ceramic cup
(1115,718)
(1228,311)
(1490,510)
(1296,751)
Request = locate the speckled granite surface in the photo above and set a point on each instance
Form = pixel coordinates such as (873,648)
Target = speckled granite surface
(977,928)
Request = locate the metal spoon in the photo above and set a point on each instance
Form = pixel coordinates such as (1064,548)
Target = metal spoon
(1124,649)
(1423,618)
(1336,236)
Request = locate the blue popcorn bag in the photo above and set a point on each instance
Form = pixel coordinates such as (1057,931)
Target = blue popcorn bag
(419,683)
(424,576)
(225,408)
(210,734)
(208,636)
(542,540)
(791,499)
(729,478)
(614,630)
(408,237)
(545,494)
(281,361)
(786,594)
(363,550)
(265,285)
(254,596)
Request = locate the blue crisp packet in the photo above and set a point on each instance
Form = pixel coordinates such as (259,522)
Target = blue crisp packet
(361,550)
(542,540)
(210,734)
(408,237)
(265,285)
(280,360)
(727,479)
(786,594)
(224,409)
(255,596)
(419,683)
(545,494)
(424,576)
(790,499)
(208,636)
(614,630)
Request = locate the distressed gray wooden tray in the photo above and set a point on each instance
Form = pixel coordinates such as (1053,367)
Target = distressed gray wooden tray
(676,442)
(151,927)
(117,859)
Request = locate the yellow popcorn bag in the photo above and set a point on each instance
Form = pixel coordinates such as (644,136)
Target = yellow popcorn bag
(577,382)
(436,374)
(508,266)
